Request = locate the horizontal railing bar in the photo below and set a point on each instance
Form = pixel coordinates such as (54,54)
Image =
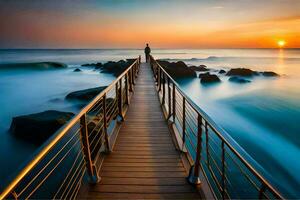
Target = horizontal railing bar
(48,163)
(69,172)
(76,173)
(45,178)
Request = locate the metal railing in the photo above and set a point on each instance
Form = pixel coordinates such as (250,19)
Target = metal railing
(228,173)
(75,152)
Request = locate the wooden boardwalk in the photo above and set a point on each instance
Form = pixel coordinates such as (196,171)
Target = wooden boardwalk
(144,163)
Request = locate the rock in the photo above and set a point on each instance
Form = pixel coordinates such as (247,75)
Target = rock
(209,78)
(237,79)
(178,69)
(241,72)
(32,66)
(77,70)
(222,71)
(85,95)
(201,68)
(203,74)
(37,128)
(96,65)
(269,74)
(116,68)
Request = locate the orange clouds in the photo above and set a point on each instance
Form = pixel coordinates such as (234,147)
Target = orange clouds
(214,27)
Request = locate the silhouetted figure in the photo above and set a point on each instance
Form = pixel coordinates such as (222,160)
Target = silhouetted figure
(147,53)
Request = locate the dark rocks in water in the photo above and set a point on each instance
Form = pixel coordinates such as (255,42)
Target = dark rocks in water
(203,74)
(200,68)
(237,79)
(209,78)
(77,70)
(32,66)
(222,71)
(85,95)
(269,74)
(52,65)
(178,69)
(96,65)
(37,128)
(241,72)
(115,68)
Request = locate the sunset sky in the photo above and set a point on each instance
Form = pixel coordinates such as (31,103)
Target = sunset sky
(162,23)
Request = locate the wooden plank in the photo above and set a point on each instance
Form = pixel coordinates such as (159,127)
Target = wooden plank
(143,181)
(143,156)
(143,169)
(133,196)
(144,189)
(144,174)
(139,164)
(154,148)
(146,152)
(142,160)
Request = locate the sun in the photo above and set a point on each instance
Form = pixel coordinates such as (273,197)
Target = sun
(281,43)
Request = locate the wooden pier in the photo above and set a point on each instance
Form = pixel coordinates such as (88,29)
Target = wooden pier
(144,163)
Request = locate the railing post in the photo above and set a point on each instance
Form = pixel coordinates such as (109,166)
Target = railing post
(223,184)
(183,123)
(105,123)
(156,73)
(194,176)
(159,79)
(174,102)
(126,89)
(207,145)
(120,100)
(91,169)
(136,69)
(132,75)
(130,80)
(139,59)
(164,88)
(169,98)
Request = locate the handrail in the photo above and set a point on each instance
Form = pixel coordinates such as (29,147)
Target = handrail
(130,73)
(208,123)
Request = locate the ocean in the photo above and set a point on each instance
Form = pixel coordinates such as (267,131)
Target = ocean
(262,116)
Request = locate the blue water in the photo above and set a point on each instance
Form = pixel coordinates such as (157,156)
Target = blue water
(262,116)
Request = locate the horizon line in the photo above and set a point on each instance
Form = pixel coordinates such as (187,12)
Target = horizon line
(158,48)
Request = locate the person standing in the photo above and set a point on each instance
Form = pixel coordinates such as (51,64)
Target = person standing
(147,53)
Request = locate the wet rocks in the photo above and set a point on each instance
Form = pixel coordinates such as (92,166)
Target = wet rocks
(115,68)
(237,79)
(33,66)
(203,74)
(95,65)
(77,70)
(244,72)
(178,69)
(222,71)
(200,68)
(85,95)
(38,127)
(112,67)
(269,74)
(209,78)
